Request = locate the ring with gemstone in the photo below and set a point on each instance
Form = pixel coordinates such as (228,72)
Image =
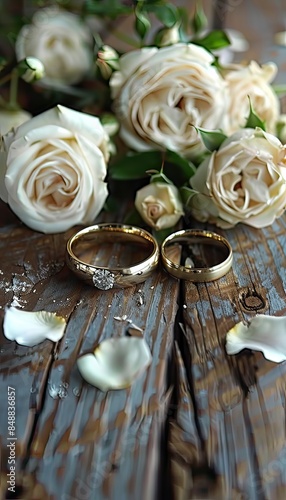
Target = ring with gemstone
(112,255)
(196,255)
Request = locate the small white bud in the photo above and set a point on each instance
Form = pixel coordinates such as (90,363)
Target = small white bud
(107,61)
(33,69)
(167,36)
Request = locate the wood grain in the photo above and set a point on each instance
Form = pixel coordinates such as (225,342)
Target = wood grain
(238,401)
(74,440)
(197,424)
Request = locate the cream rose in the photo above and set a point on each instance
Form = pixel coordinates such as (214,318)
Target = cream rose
(61,42)
(243,181)
(52,170)
(159,205)
(12,119)
(161,95)
(251,82)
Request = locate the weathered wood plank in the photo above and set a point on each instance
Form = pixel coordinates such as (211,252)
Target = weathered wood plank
(29,261)
(238,401)
(113,435)
(74,440)
(226,419)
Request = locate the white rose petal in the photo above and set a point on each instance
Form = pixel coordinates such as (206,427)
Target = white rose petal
(31,328)
(161,95)
(129,63)
(264,333)
(12,119)
(53,169)
(243,181)
(159,204)
(115,363)
(61,41)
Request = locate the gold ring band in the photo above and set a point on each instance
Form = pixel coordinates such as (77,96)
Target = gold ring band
(136,255)
(190,237)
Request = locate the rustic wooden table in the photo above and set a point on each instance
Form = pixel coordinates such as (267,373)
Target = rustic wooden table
(198,424)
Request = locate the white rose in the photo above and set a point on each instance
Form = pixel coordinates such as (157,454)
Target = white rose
(52,170)
(251,82)
(61,42)
(162,94)
(243,181)
(159,205)
(12,119)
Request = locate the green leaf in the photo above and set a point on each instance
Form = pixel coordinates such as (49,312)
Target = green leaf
(216,39)
(142,24)
(135,165)
(216,63)
(138,166)
(199,21)
(253,119)
(111,204)
(185,168)
(183,15)
(212,139)
(167,14)
(108,8)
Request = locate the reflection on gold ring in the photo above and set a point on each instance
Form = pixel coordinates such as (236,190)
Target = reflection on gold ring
(171,251)
(112,255)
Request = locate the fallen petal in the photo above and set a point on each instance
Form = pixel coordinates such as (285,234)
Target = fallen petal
(115,363)
(264,333)
(31,328)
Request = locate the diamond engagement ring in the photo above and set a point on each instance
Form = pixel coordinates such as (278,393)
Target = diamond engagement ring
(112,255)
(206,256)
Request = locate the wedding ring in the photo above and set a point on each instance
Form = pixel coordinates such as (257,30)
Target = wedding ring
(112,255)
(208,256)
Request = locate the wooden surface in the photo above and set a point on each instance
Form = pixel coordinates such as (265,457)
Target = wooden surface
(198,424)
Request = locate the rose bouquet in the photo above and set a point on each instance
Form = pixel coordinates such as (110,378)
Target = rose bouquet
(172,121)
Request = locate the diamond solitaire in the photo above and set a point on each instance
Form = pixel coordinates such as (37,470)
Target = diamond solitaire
(103,279)
(112,255)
